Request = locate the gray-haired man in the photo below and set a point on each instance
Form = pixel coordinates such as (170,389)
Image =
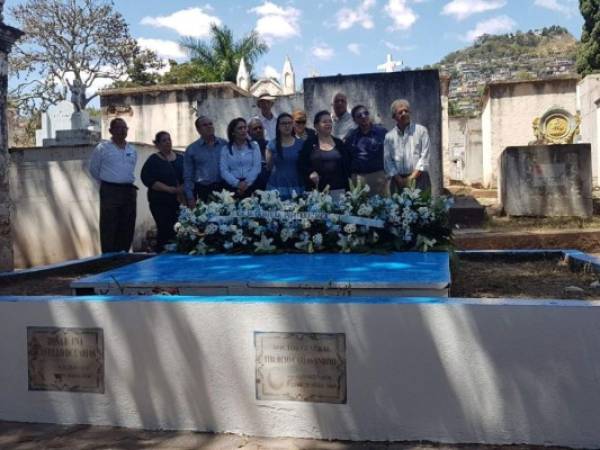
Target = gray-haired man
(406,150)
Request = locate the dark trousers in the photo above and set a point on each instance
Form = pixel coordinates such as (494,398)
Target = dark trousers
(423,182)
(165,215)
(203,191)
(117,217)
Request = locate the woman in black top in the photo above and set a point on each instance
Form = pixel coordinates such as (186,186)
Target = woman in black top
(325,160)
(162,173)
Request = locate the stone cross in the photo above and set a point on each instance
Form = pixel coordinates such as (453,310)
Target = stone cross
(389,65)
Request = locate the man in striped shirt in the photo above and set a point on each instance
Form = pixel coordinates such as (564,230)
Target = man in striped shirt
(406,151)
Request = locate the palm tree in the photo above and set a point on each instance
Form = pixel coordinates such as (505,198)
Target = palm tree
(219,59)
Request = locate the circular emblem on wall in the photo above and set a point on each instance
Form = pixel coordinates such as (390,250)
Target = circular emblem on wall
(556,126)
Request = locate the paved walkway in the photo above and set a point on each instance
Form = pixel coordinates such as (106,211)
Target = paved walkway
(21,436)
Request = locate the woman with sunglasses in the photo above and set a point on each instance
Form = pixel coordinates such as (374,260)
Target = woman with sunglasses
(282,159)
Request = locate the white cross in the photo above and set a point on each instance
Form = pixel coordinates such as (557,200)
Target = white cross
(389,65)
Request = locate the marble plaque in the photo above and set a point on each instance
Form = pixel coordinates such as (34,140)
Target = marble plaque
(66,359)
(306,367)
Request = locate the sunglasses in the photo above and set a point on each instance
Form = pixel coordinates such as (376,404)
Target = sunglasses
(257,128)
(300,122)
(360,115)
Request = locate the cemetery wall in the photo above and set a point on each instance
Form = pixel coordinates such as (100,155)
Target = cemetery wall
(510,108)
(148,110)
(56,204)
(588,96)
(222,111)
(422,88)
(458,371)
(465,150)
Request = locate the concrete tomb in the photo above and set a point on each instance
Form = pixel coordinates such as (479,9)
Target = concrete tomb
(547,180)
(397,274)
(57,117)
(63,125)
(352,368)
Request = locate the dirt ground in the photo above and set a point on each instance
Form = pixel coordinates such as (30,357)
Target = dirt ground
(521,279)
(57,282)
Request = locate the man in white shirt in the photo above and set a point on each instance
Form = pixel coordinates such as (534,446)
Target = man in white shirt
(341,118)
(406,151)
(266,116)
(112,164)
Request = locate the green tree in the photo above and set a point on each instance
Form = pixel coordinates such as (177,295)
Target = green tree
(67,46)
(588,53)
(219,59)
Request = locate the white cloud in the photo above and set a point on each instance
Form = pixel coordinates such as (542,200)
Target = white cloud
(163,48)
(495,25)
(193,22)
(399,48)
(554,6)
(348,17)
(323,52)
(462,9)
(354,48)
(401,14)
(270,72)
(276,22)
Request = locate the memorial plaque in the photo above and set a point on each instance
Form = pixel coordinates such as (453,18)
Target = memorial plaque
(65,359)
(306,367)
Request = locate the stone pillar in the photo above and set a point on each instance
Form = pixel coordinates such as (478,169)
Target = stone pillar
(8,35)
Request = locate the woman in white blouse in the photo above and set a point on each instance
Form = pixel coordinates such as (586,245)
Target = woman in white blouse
(240,159)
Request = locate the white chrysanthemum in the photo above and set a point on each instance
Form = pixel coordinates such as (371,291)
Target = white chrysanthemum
(365,210)
(285,234)
(317,239)
(350,228)
(211,228)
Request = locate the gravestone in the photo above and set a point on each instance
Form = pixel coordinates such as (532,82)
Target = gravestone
(57,117)
(377,91)
(547,180)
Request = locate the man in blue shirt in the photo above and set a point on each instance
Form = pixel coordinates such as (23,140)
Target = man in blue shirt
(201,175)
(366,142)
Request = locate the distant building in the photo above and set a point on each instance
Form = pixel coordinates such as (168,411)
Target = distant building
(270,86)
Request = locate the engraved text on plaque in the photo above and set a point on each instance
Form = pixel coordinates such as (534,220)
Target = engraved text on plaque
(65,359)
(308,367)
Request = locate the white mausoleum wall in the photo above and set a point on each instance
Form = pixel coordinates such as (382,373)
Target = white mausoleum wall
(514,105)
(148,110)
(485,371)
(589,104)
(56,204)
(486,142)
(465,148)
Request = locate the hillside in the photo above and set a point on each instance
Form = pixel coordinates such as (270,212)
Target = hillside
(535,54)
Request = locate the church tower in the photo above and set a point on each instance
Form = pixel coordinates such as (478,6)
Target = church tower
(243,76)
(288,77)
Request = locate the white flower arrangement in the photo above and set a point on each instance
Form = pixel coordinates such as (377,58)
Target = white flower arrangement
(263,223)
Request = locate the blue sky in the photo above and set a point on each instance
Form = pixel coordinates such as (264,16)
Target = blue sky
(343,36)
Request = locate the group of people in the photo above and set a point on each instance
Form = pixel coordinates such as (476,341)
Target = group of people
(265,152)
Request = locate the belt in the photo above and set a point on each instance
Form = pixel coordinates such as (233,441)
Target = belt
(121,185)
